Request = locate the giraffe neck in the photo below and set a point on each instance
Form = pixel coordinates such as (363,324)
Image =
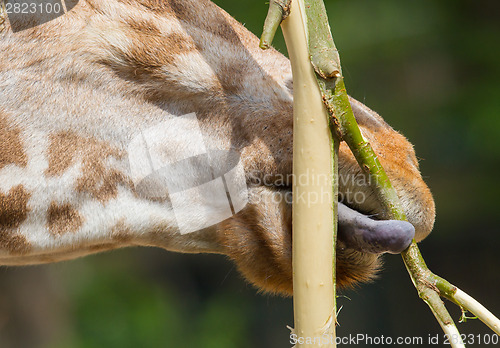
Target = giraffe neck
(82,97)
(74,98)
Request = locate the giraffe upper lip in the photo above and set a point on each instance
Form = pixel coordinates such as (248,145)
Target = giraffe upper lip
(361,232)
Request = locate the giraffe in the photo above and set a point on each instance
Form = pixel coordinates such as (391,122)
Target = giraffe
(77,90)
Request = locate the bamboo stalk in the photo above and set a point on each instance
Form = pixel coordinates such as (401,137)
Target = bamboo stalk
(314,218)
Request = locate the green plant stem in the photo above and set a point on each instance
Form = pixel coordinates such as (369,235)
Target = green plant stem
(324,55)
(337,102)
(278,11)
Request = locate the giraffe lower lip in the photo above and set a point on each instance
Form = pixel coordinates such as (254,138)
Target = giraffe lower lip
(361,233)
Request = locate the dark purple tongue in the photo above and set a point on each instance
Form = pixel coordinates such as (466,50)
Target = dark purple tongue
(361,233)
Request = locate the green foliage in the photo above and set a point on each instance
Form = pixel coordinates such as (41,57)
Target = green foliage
(115,307)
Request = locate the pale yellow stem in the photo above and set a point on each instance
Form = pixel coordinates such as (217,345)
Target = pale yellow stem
(313,213)
(478,310)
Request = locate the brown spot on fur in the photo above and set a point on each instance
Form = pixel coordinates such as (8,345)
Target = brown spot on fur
(143,27)
(11,148)
(147,55)
(13,212)
(62,219)
(62,153)
(153,5)
(14,207)
(214,20)
(121,233)
(230,75)
(151,49)
(97,178)
(211,19)
(15,243)
(99,182)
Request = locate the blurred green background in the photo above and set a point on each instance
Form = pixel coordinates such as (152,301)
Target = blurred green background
(432,70)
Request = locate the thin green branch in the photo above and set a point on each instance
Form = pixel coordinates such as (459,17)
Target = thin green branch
(324,55)
(466,301)
(337,102)
(278,11)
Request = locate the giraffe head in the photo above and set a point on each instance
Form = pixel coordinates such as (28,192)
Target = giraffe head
(89,82)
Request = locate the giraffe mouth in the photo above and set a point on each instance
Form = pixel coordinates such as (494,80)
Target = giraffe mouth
(363,233)
(360,232)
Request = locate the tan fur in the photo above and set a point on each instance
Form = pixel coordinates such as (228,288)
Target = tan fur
(87,82)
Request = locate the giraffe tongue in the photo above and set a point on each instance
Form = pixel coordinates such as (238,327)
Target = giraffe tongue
(361,233)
